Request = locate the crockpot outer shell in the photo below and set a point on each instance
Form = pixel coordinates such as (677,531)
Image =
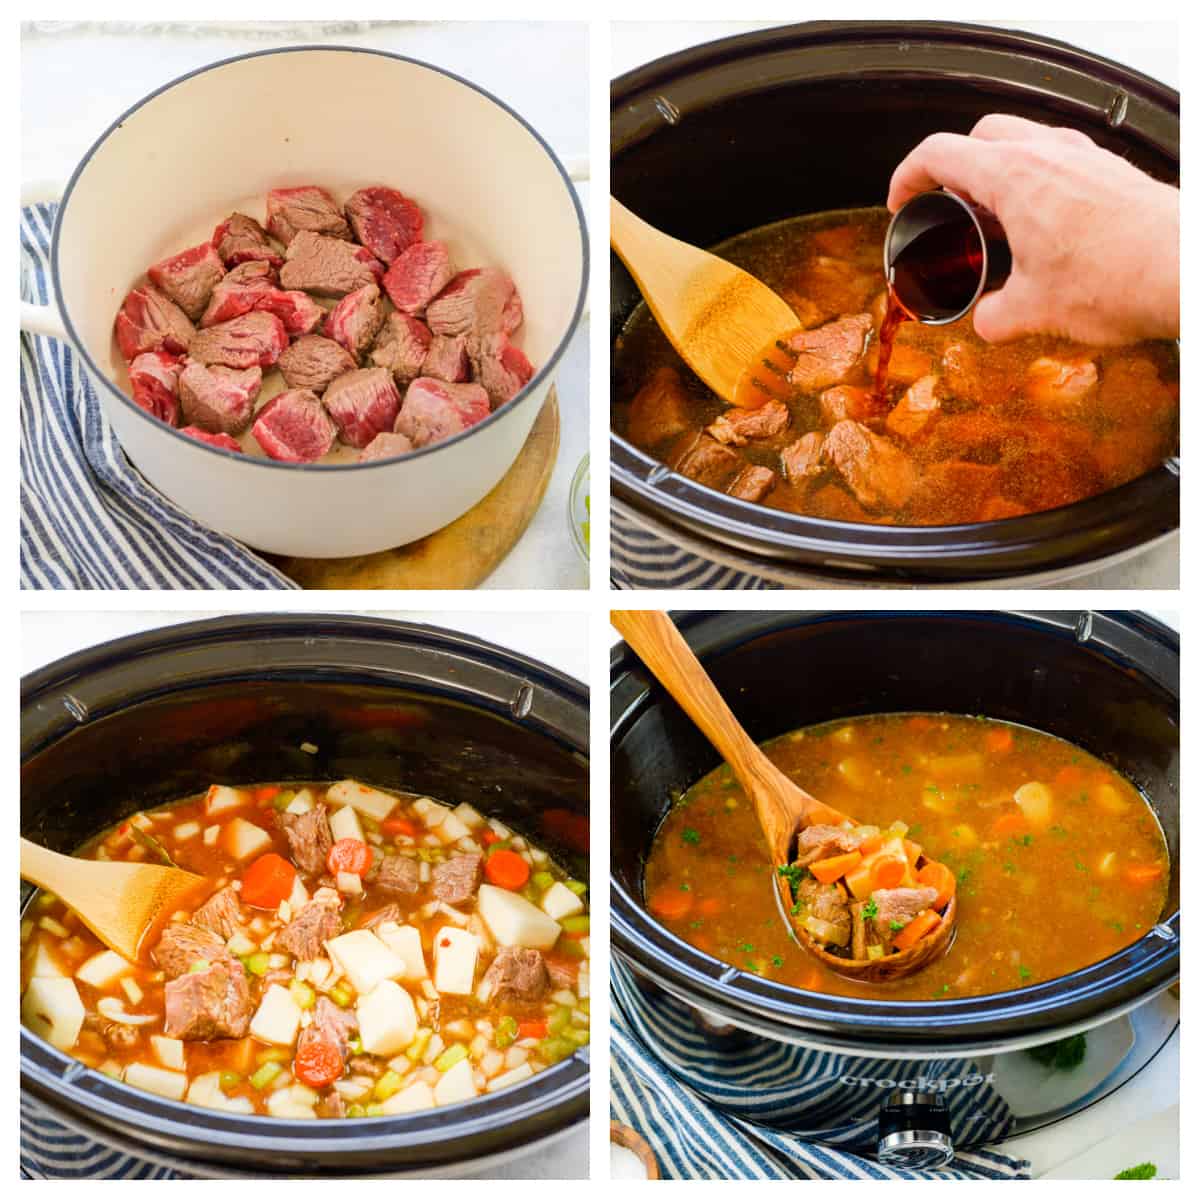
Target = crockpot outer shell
(1107,682)
(735,134)
(154,717)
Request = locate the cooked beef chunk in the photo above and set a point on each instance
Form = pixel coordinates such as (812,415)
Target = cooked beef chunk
(337,1024)
(802,459)
(331,1103)
(825,356)
(707,461)
(434,410)
(221,913)
(189,278)
(355,320)
(385,221)
(386,445)
(737,426)
(183,944)
(912,413)
(661,410)
(308,931)
(154,378)
(563,977)
(879,474)
(1057,386)
(254,340)
(149,320)
(364,1064)
(895,907)
(827,902)
(219,399)
(456,879)
(501,368)
(239,292)
(309,837)
(116,1036)
(363,403)
(328,266)
(222,440)
(313,362)
(291,211)
(294,427)
(846,403)
(399,875)
(298,311)
(821,841)
(214,1003)
(475,304)
(402,346)
(241,239)
(381,916)
(447,360)
(752,483)
(417,275)
(517,976)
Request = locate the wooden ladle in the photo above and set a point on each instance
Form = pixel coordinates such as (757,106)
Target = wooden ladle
(122,903)
(718,317)
(782,807)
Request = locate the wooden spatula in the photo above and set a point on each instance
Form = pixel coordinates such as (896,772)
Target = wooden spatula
(722,321)
(120,902)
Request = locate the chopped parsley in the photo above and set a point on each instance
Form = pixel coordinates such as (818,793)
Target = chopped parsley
(870,910)
(685,887)
(1024,972)
(895,926)
(691,837)
(777,960)
(747,947)
(1141,1171)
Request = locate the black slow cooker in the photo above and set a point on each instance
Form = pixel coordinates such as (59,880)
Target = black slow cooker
(734,134)
(161,715)
(1108,682)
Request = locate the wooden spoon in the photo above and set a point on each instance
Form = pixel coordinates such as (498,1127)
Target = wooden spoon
(782,807)
(120,902)
(717,316)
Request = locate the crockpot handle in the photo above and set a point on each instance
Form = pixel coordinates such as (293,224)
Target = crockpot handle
(43,319)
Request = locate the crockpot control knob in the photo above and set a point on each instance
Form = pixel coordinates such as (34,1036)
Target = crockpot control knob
(914,1131)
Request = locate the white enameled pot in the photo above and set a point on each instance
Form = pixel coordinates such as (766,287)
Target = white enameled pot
(219,139)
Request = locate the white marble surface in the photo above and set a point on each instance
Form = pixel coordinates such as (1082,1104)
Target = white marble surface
(77,77)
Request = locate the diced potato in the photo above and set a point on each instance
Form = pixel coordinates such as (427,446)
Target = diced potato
(299,897)
(1108,798)
(240,945)
(244,841)
(345,824)
(456,1084)
(855,772)
(455,953)
(524,1071)
(1036,802)
(452,829)
(416,1096)
(513,921)
(53,1010)
(559,901)
(103,969)
(291,1102)
(133,992)
(956,767)
(405,941)
(357,795)
(1107,866)
(349,884)
(301,802)
(169,1051)
(172,1084)
(965,837)
(43,964)
(211,834)
(469,816)
(278,1017)
(223,799)
(205,1091)
(186,831)
(364,959)
(387,1019)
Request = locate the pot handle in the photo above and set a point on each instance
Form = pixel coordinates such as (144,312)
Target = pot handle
(44,319)
(579,170)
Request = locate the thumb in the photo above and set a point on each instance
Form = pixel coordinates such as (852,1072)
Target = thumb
(1008,313)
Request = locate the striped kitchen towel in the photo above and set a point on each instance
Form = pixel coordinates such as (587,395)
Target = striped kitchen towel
(88,519)
(766,1110)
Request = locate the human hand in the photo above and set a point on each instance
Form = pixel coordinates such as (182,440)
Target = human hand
(1095,241)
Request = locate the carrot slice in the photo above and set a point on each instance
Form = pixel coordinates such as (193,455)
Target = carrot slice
(923,924)
(489,836)
(267,881)
(531,1029)
(829,870)
(1070,778)
(395,825)
(998,741)
(350,855)
(1010,824)
(264,795)
(670,903)
(919,724)
(888,872)
(318,1062)
(1143,873)
(871,845)
(507,869)
(912,851)
(939,876)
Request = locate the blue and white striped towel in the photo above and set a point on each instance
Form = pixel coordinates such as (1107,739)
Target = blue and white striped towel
(88,519)
(767,1110)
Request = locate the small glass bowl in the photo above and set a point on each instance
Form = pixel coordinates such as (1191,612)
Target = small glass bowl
(578,512)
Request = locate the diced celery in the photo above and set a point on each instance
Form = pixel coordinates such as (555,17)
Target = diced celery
(340,995)
(570,948)
(585,1005)
(388,1085)
(578,924)
(273,1054)
(229,1079)
(575,886)
(355,1044)
(369,824)
(506,1032)
(580,1037)
(257,963)
(502,844)
(302,994)
(559,1019)
(283,799)
(355,1110)
(375,1110)
(450,1056)
(414,1052)
(555,1049)
(542,880)
(263,1076)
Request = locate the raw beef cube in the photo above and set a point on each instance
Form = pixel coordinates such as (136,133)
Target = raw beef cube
(912,413)
(845,402)
(328,266)
(475,304)
(189,278)
(434,410)
(298,311)
(660,410)
(1056,386)
(254,340)
(240,239)
(447,359)
(304,209)
(879,474)
(502,368)
(239,292)
(418,275)
(402,346)
(314,362)
(355,320)
(219,399)
(738,426)
(221,440)
(154,377)
(386,445)
(149,320)
(363,403)
(827,355)
(385,221)
(294,427)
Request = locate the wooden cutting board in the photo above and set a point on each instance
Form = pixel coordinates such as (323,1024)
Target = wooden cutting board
(466,551)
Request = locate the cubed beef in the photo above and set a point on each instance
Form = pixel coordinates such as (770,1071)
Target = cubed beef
(827,902)
(895,907)
(362,404)
(313,362)
(306,933)
(457,879)
(707,461)
(838,286)
(752,483)
(239,292)
(399,876)
(364,1064)
(240,239)
(386,445)
(309,837)
(255,339)
(154,378)
(121,1038)
(209,1004)
(189,278)
(150,320)
(402,346)
(221,440)
(330,1024)
(1057,386)
(328,266)
(447,360)
(516,976)
(912,413)
(355,320)
(416,276)
(182,945)
(298,311)
(879,474)
(329,1104)
(846,403)
(219,399)
(385,221)
(563,975)
(825,356)
(737,426)
(294,427)
(803,459)
(291,211)
(816,842)
(221,913)
(475,304)
(434,410)
(501,368)
(661,410)
(382,916)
